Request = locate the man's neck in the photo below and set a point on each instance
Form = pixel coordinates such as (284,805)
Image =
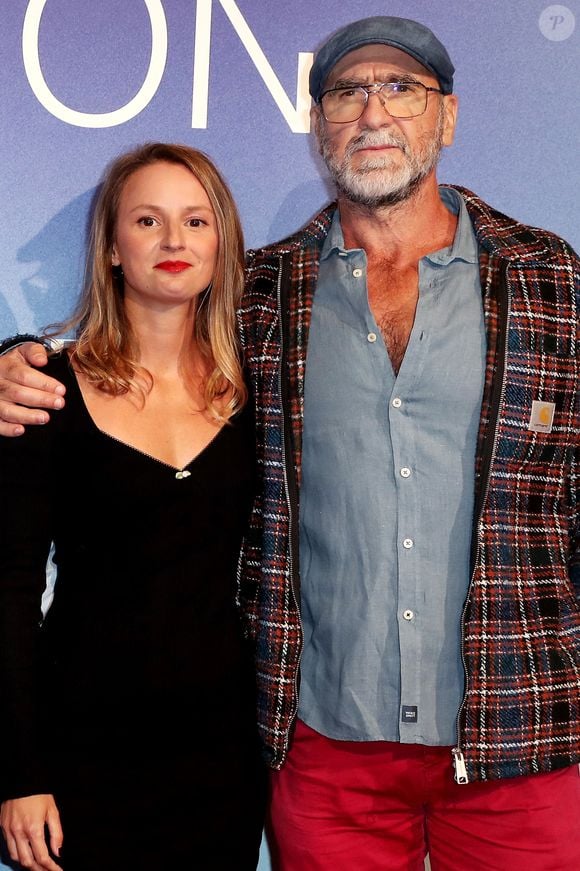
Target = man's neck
(401,233)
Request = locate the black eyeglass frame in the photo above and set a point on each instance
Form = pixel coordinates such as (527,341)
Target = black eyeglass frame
(375,88)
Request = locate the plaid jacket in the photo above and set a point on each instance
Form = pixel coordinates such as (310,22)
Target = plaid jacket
(521,621)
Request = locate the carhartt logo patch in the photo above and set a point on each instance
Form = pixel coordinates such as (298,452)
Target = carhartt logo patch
(542,416)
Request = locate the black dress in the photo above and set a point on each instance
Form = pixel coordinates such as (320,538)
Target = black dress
(133,701)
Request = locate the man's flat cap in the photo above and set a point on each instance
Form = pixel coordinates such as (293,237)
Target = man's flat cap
(409,36)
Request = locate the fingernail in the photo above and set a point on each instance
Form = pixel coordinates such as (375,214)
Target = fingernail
(42,418)
(19,430)
(60,390)
(58,403)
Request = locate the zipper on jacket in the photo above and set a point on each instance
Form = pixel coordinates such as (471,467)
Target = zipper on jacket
(459,766)
(285,446)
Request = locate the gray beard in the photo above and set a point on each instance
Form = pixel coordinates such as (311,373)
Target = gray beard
(374,183)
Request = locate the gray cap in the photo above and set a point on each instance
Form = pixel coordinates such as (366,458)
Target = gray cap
(403,33)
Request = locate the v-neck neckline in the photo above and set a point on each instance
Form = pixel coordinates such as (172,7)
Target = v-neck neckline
(134,448)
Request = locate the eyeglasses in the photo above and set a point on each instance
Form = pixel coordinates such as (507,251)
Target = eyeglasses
(400,99)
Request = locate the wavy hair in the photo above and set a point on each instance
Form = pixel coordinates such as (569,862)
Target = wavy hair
(106,350)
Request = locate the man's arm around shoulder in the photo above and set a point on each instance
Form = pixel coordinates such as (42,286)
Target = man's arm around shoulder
(24,391)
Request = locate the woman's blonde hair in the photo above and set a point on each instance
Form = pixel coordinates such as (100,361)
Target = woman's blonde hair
(105,349)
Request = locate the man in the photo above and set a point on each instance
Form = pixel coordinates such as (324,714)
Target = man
(414,358)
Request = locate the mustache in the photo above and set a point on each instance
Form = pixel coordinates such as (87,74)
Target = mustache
(374,138)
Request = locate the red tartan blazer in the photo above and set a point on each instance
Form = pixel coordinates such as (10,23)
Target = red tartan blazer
(521,621)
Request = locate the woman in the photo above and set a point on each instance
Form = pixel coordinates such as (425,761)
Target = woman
(127,712)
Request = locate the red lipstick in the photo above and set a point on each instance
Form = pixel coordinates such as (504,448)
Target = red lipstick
(173,265)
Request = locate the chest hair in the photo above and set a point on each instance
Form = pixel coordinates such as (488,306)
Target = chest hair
(393,294)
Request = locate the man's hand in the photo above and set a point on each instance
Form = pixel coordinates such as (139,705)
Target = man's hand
(23,821)
(24,391)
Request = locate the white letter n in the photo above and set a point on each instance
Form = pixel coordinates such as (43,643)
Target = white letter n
(297,117)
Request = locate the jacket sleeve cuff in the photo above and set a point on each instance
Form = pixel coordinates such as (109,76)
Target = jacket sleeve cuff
(21,339)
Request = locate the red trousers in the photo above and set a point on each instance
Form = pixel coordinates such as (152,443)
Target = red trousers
(350,806)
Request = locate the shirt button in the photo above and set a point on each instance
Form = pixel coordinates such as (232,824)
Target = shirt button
(357,273)
(405,473)
(372,337)
(397,402)
(407,543)
(408,614)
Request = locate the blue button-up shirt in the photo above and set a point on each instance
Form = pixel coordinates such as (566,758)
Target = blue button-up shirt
(386,499)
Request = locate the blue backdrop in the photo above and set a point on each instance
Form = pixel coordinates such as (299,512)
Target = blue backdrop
(82,81)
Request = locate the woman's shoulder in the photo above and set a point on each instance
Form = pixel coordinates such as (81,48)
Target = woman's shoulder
(37,441)
(59,367)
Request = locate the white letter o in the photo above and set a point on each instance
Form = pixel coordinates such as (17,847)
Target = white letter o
(85,119)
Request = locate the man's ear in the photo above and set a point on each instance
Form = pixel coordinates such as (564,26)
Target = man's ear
(316,120)
(450,106)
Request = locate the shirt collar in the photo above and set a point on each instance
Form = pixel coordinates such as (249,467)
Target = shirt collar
(334,242)
(464,246)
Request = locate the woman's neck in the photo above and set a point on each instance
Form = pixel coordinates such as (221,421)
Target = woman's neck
(165,337)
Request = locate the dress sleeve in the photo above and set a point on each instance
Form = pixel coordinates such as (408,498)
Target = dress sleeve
(26,484)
